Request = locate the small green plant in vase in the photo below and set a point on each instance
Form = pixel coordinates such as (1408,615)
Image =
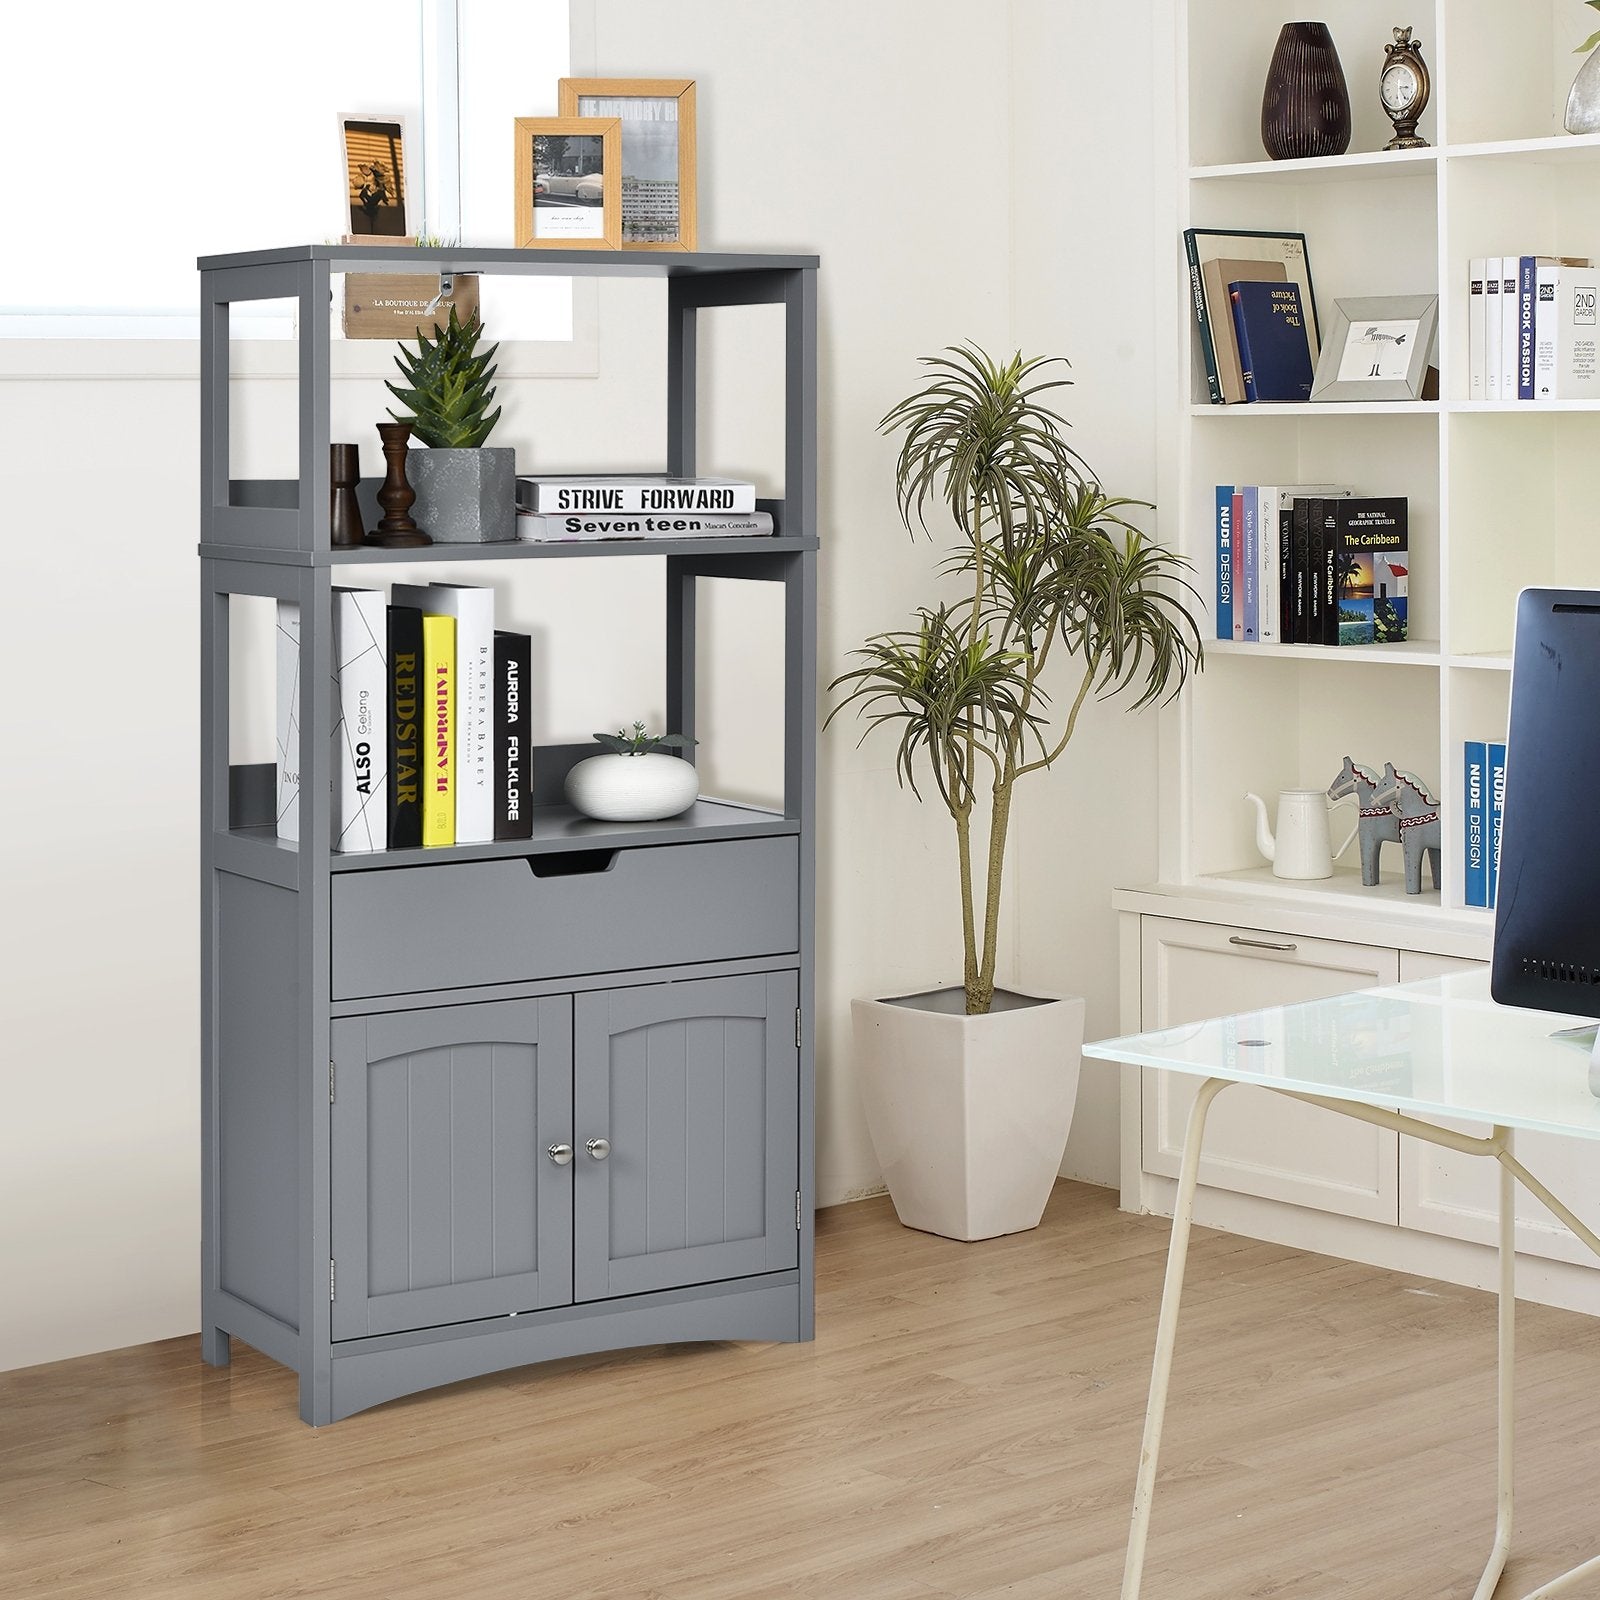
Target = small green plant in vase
(466,491)
(1583,100)
(637,779)
(1058,597)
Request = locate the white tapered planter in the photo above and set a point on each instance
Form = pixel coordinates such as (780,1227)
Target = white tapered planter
(969,1116)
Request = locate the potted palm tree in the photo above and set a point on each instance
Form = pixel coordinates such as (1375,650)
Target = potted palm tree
(969,1088)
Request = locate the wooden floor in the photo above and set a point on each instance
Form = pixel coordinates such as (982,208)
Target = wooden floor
(966,1424)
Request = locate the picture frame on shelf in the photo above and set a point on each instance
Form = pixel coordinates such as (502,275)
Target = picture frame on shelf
(568,183)
(658,153)
(1377,348)
(376,176)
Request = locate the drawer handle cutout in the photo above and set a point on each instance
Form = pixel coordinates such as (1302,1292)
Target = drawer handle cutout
(1261,944)
(571,863)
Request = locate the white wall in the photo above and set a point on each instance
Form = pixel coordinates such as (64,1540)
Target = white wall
(839,126)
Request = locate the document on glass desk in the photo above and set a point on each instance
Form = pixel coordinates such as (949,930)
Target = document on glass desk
(1399,1056)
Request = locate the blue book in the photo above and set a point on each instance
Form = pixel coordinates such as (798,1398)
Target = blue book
(1527,293)
(1476,792)
(1497,813)
(1273,349)
(1224,560)
(1249,537)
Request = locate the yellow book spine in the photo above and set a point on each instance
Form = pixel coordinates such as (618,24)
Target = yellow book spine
(439,766)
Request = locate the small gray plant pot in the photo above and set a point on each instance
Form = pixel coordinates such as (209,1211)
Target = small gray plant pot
(465,496)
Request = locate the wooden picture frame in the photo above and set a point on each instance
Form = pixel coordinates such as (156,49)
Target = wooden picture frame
(565,217)
(652,218)
(1388,323)
(381,208)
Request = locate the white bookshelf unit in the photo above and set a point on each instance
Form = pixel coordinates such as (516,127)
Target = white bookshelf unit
(1501,496)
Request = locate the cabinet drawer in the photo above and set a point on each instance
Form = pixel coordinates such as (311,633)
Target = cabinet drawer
(411,929)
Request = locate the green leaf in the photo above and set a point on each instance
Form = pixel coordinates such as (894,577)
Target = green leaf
(1589,43)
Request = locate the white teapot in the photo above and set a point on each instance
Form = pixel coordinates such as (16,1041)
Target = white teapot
(1303,845)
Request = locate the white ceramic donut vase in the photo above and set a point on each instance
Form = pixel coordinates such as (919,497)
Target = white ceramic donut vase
(644,788)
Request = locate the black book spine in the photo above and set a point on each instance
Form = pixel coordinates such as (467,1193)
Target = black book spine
(405,727)
(1285,517)
(1304,588)
(513,752)
(1330,582)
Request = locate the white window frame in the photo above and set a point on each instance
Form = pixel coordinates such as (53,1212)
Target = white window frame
(89,345)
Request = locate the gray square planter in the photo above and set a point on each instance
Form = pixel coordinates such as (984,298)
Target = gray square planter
(465,496)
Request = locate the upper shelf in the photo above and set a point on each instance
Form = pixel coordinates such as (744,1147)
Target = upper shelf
(512,550)
(1362,166)
(491,259)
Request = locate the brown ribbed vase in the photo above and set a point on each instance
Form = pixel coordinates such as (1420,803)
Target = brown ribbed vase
(1305,107)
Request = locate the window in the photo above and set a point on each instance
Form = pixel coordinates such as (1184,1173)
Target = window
(197,128)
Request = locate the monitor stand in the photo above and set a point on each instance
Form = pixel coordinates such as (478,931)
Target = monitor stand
(1586,1038)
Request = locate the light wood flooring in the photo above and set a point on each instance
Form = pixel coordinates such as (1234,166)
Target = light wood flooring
(965,1425)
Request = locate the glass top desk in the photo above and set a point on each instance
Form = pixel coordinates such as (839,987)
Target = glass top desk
(1395,1056)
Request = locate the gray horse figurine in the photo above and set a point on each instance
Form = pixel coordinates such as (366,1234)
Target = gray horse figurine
(1378,825)
(1419,822)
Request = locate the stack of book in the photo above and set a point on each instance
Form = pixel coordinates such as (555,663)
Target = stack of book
(1255,313)
(1485,795)
(1532,328)
(430,737)
(1312,564)
(637,505)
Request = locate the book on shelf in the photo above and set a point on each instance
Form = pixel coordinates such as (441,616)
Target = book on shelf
(1491,327)
(1269,323)
(1217,274)
(1496,755)
(404,712)
(1279,505)
(1475,790)
(472,606)
(287,732)
(1224,532)
(1238,563)
(634,493)
(1510,267)
(1365,569)
(577,528)
(360,742)
(1249,548)
(1571,369)
(439,723)
(1213,313)
(513,750)
(1476,300)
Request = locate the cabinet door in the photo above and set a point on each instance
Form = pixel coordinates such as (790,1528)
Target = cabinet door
(1260,1143)
(696,1088)
(446,1206)
(1443,1191)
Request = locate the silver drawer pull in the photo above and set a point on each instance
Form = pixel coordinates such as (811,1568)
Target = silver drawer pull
(598,1148)
(1261,944)
(561,1154)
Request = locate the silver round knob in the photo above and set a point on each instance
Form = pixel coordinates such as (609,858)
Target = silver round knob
(598,1148)
(561,1154)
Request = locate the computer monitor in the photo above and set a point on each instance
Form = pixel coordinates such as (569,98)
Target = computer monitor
(1547,904)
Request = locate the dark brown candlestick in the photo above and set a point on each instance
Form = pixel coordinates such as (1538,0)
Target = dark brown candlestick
(397,531)
(344,515)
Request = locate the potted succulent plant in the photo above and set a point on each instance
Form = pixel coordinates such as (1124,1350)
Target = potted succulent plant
(969,1089)
(466,493)
(638,779)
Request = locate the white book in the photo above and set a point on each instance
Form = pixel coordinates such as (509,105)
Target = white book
(1476,301)
(582,527)
(1510,304)
(473,608)
(360,733)
(1547,296)
(1269,589)
(635,493)
(288,720)
(1578,335)
(1491,328)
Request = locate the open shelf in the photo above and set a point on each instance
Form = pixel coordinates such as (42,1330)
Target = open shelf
(1309,408)
(1358,167)
(1344,888)
(509,550)
(1412,653)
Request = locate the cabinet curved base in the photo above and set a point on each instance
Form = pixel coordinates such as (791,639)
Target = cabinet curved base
(366,1372)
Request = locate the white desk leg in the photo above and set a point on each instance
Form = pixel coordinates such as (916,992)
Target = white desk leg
(1505,1499)
(1166,1338)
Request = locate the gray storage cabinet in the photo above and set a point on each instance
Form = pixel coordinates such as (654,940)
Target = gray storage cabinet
(577,1114)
